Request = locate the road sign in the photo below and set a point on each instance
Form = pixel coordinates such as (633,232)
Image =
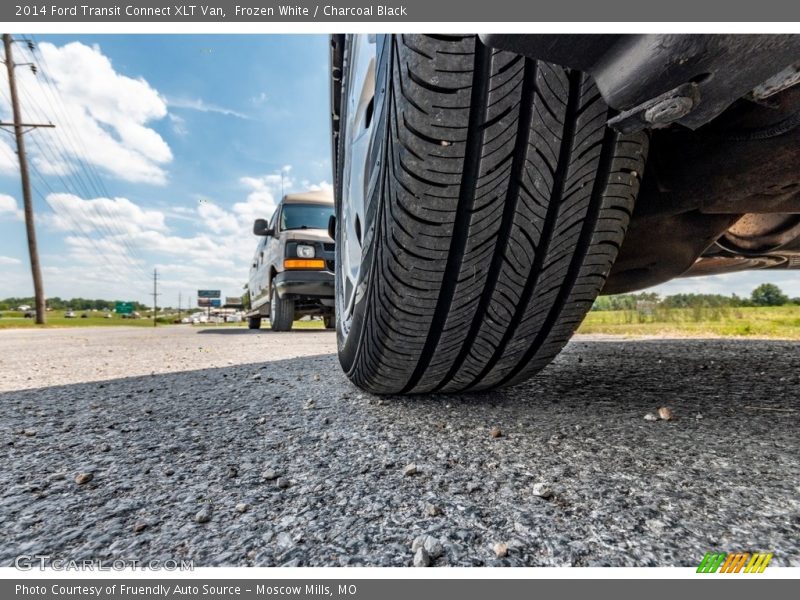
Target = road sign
(124,308)
(209,293)
(233,301)
(206,302)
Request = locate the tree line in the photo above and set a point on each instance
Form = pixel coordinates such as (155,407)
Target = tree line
(766,294)
(56,303)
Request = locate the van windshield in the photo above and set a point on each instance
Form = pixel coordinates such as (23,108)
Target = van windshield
(305,216)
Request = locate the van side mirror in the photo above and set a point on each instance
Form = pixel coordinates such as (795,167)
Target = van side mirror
(332,227)
(261,227)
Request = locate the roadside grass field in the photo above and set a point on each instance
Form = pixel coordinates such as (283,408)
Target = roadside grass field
(779,322)
(11,319)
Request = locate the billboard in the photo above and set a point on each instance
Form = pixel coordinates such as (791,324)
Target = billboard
(209,302)
(209,293)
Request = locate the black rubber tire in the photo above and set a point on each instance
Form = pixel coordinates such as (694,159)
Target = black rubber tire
(281,314)
(498,207)
(330,321)
(254,322)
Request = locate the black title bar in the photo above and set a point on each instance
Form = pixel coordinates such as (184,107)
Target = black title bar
(433,11)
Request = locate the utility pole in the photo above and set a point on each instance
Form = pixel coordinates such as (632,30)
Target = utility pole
(179,306)
(19,134)
(155,295)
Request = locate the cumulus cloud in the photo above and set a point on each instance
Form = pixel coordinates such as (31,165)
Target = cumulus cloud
(8,208)
(110,241)
(110,112)
(9,260)
(72,213)
(8,159)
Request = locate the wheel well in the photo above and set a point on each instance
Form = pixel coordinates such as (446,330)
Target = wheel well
(336,63)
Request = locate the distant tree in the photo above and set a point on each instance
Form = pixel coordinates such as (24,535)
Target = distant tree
(769,294)
(624,301)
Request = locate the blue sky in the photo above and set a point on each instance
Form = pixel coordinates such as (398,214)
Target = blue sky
(189,136)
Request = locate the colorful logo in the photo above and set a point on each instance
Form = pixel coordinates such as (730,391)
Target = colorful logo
(734,562)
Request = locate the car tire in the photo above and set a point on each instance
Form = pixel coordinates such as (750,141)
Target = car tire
(495,199)
(281,313)
(254,322)
(330,321)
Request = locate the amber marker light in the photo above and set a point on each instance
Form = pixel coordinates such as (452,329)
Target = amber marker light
(303,263)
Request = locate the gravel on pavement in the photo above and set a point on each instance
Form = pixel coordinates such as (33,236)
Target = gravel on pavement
(233,447)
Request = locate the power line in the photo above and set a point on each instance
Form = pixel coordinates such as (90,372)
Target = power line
(81,183)
(84,181)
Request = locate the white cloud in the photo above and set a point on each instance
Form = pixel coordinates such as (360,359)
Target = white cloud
(71,213)
(111,264)
(9,260)
(732,283)
(178,124)
(201,105)
(8,207)
(102,117)
(8,159)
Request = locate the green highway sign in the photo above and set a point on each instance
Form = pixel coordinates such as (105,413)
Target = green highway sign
(124,308)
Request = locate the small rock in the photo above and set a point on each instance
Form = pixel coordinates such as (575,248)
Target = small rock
(261,420)
(256,376)
(433,547)
(500,549)
(421,558)
(82,478)
(242,507)
(269,474)
(203,516)
(698,416)
(495,432)
(282,483)
(432,510)
(284,541)
(542,490)
(665,414)
(105,448)
(169,471)
(233,472)
(326,421)
(316,377)
(410,470)
(29,432)
(650,417)
(139,526)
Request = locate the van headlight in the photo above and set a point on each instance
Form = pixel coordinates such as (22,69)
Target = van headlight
(305,251)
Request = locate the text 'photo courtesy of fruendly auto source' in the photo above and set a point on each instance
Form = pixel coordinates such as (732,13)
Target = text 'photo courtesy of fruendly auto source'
(285,289)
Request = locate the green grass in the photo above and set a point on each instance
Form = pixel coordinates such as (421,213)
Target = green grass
(55,318)
(781,322)
(767,322)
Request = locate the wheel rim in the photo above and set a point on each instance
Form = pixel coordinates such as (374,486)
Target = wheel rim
(359,94)
(273,306)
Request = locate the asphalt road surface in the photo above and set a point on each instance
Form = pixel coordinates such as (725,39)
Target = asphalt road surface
(235,447)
